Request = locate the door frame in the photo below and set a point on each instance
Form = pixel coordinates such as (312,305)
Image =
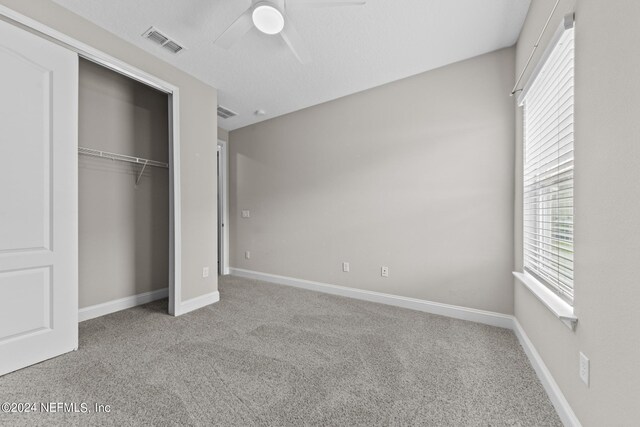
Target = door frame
(223,194)
(94,55)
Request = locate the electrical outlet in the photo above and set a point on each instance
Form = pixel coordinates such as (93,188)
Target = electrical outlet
(247,255)
(384,271)
(584,368)
(205,272)
(345,267)
(246,213)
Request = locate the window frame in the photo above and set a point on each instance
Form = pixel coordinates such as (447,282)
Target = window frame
(562,307)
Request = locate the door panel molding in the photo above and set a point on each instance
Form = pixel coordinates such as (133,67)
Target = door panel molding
(38,187)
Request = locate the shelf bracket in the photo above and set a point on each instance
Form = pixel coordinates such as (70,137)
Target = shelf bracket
(141,171)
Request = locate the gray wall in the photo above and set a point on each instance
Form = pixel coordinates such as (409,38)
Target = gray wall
(223,135)
(123,228)
(415,175)
(198,134)
(607,208)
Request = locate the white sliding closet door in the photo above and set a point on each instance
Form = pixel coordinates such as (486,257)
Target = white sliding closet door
(38,199)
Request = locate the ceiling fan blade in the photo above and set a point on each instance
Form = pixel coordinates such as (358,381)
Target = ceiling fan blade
(239,28)
(295,42)
(324,3)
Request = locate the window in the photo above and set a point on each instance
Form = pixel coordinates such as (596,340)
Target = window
(548,169)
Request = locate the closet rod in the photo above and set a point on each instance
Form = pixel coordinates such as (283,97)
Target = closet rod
(121,157)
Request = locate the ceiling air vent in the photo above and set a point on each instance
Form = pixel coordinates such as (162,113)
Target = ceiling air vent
(225,113)
(173,46)
(157,37)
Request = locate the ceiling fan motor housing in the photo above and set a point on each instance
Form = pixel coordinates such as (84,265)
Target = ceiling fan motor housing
(268,16)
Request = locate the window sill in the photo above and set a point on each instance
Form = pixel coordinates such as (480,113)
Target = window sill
(560,308)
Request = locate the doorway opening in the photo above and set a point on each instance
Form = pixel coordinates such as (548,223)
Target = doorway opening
(223,208)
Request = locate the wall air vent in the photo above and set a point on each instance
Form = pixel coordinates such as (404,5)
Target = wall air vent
(159,38)
(225,113)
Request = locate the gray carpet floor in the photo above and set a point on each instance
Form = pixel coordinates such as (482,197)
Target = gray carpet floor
(275,355)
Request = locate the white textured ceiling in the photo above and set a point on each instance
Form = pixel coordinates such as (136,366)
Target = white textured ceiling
(353,48)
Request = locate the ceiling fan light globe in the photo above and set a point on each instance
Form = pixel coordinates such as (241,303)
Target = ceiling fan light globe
(268,19)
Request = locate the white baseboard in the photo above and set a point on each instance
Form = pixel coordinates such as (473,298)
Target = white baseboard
(558,400)
(198,302)
(98,310)
(454,311)
(556,396)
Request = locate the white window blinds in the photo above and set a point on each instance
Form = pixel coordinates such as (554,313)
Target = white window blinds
(548,170)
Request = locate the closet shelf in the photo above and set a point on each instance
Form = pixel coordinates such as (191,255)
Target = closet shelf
(121,157)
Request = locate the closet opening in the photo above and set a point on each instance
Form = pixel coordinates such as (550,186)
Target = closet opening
(125,192)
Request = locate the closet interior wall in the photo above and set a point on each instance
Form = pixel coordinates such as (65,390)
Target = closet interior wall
(123,227)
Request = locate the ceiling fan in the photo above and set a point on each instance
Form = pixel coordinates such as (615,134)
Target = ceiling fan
(270,17)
